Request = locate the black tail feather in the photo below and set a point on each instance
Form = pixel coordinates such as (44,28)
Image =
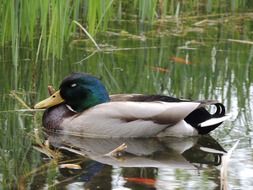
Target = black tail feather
(201,115)
(220,110)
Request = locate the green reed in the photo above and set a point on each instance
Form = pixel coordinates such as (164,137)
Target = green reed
(25,22)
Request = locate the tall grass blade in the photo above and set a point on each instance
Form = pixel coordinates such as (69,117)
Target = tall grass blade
(87,33)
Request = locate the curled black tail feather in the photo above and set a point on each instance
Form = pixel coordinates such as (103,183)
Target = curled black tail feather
(201,115)
(220,110)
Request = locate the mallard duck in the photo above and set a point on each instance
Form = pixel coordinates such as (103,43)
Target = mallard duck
(83,107)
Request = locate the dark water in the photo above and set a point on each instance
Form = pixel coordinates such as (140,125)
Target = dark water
(197,60)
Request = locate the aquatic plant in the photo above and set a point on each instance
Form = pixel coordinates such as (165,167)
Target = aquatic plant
(46,25)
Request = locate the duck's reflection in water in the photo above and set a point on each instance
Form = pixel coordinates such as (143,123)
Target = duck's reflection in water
(139,163)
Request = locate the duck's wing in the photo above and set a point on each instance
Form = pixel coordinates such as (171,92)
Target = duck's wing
(144,98)
(159,112)
(152,98)
(129,119)
(201,119)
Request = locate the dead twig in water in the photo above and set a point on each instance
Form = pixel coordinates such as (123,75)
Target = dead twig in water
(224,167)
(51,90)
(14,95)
(241,41)
(117,152)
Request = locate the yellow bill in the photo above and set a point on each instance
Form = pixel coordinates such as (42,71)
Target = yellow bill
(53,100)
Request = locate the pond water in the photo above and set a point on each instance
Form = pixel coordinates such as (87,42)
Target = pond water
(189,57)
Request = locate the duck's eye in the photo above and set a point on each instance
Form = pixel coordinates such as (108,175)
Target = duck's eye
(73,85)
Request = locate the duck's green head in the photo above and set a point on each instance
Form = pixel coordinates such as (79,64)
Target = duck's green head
(80,91)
